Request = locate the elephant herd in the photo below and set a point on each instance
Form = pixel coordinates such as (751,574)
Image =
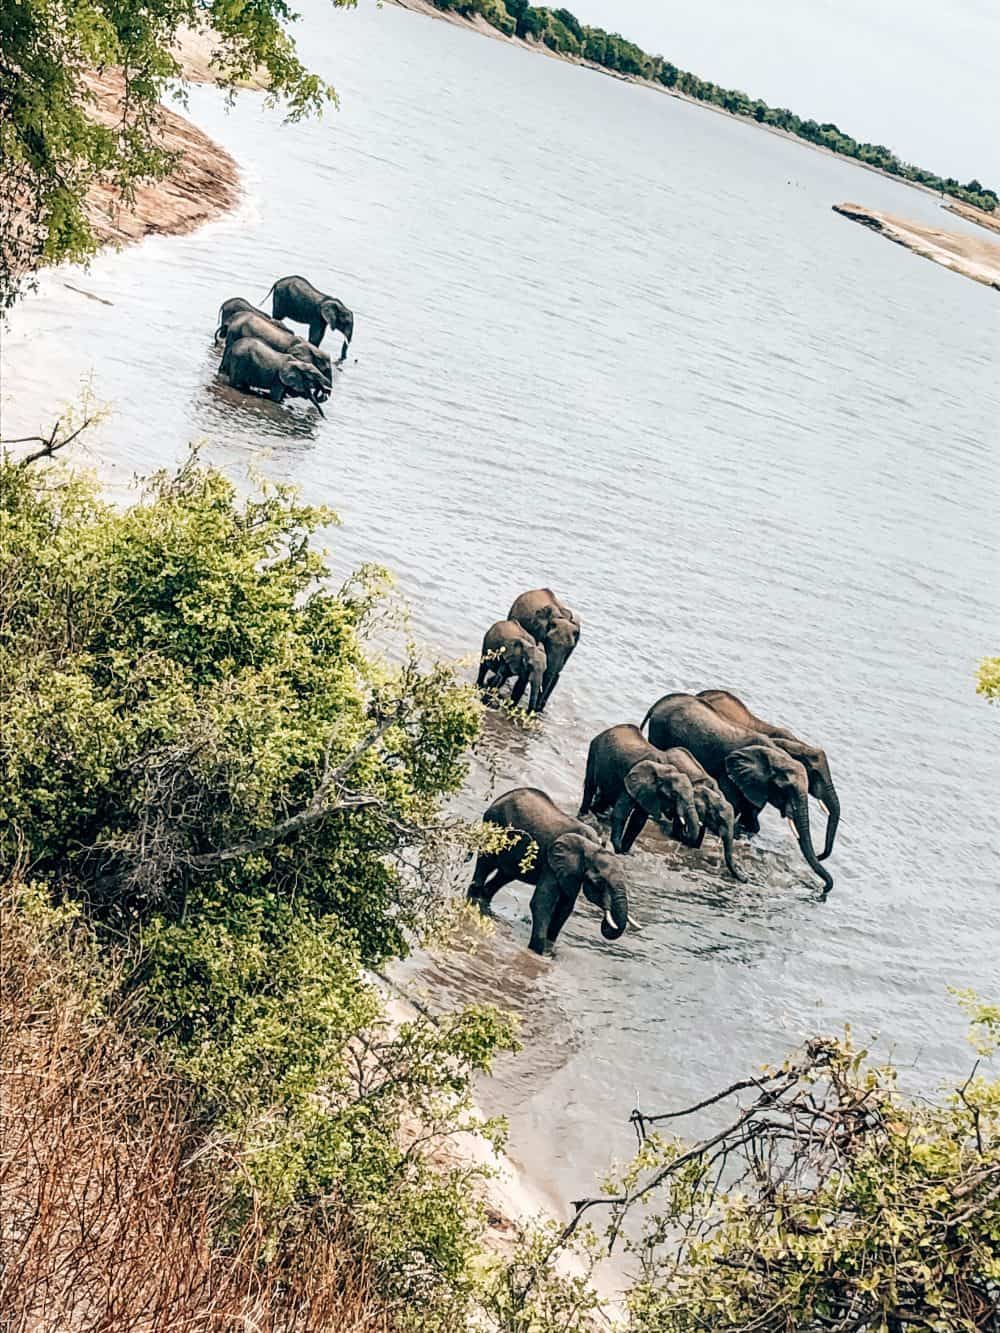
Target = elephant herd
(706,764)
(261,354)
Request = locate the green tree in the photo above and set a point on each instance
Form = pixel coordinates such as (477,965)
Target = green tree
(53,148)
(821,1200)
(204,757)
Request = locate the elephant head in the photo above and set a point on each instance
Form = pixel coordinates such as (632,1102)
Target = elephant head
(767,775)
(304,351)
(537,661)
(581,863)
(337,316)
(821,787)
(560,637)
(716,815)
(666,794)
(304,381)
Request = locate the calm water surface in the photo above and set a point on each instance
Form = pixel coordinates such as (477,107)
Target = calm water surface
(619,345)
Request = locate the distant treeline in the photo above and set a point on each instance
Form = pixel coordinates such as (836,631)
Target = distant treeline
(563,32)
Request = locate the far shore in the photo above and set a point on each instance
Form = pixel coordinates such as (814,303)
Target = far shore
(973,256)
(476,23)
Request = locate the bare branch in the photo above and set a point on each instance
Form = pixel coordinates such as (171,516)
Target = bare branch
(51,444)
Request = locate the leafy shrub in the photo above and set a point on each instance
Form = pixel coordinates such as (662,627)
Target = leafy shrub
(200,750)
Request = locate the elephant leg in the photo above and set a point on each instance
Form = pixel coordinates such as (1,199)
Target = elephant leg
(486,864)
(277,392)
(561,914)
(316,330)
(519,688)
(636,823)
(487,880)
(589,791)
(544,901)
(746,819)
(622,818)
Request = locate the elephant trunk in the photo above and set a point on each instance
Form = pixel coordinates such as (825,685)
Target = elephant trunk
(726,834)
(315,402)
(535,694)
(831,800)
(800,819)
(615,917)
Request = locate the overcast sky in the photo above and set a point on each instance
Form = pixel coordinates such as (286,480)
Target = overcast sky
(922,78)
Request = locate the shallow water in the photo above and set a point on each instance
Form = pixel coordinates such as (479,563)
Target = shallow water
(622,346)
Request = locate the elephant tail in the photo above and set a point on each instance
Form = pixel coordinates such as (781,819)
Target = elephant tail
(267,293)
(649,714)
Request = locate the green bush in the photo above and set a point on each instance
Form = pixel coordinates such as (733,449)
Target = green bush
(202,752)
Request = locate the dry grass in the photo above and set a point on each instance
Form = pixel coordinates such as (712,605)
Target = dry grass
(113,1201)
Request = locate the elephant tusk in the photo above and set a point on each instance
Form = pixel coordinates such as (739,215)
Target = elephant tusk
(609,919)
(634,924)
(823,807)
(791,825)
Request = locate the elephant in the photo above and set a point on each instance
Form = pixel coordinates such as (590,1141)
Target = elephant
(234,306)
(302,303)
(751,770)
(811,757)
(627,775)
(556,628)
(511,653)
(715,814)
(252,364)
(568,856)
(253,324)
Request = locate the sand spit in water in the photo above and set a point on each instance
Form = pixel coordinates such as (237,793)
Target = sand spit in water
(973,256)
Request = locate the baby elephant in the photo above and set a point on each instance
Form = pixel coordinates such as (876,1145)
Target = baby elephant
(252,324)
(632,778)
(715,814)
(511,653)
(251,364)
(557,854)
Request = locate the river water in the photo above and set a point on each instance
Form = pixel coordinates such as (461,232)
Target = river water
(619,345)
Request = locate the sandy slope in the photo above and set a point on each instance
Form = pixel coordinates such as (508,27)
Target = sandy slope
(973,256)
(204,184)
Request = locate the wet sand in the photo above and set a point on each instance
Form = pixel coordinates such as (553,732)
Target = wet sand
(973,256)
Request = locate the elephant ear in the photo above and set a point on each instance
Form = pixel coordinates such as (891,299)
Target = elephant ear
(750,769)
(293,376)
(566,857)
(641,785)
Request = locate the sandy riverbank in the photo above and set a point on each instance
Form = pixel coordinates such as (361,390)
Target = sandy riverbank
(205,182)
(991,221)
(973,256)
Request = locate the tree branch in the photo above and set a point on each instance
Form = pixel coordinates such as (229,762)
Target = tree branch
(49,445)
(319,807)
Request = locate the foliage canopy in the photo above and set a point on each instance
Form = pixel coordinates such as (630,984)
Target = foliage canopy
(201,754)
(52,146)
